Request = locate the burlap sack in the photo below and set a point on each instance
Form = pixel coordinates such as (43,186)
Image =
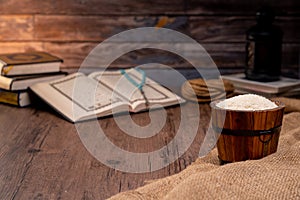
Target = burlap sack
(276,176)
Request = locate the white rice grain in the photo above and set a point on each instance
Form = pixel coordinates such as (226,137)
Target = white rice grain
(248,102)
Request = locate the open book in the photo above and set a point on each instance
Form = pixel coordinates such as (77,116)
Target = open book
(79,97)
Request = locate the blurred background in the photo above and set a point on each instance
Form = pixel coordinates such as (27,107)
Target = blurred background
(70,29)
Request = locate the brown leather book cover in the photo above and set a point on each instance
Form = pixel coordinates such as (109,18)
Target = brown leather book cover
(28,58)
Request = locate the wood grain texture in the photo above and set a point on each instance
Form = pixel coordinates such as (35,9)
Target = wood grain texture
(238,141)
(16,27)
(13,151)
(94,7)
(12,47)
(42,157)
(233,29)
(72,30)
(224,55)
(232,7)
(98,28)
(152,7)
(88,28)
(203,29)
(74,53)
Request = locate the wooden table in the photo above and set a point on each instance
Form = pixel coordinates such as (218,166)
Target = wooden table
(42,156)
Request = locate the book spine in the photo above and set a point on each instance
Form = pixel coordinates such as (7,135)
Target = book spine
(2,66)
(6,83)
(6,69)
(11,98)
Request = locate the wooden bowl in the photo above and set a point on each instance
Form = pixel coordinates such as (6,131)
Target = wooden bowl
(246,135)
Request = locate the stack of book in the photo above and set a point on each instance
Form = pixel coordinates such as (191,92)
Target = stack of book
(19,71)
(283,87)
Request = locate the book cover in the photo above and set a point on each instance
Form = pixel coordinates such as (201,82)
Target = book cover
(28,58)
(28,63)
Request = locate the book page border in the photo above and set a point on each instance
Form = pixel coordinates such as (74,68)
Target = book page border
(131,102)
(53,85)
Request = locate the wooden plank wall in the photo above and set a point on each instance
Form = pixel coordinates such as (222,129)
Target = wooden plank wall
(72,28)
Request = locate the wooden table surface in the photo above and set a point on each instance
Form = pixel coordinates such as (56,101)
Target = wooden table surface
(42,156)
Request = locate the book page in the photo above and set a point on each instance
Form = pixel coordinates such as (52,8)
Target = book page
(87,94)
(78,97)
(155,93)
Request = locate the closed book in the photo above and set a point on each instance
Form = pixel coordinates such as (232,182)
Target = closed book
(18,98)
(23,82)
(283,87)
(28,63)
